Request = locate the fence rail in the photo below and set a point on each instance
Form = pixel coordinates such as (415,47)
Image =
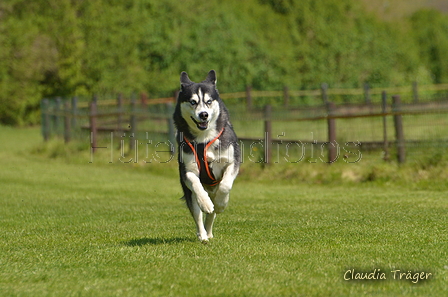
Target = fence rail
(63,117)
(415,90)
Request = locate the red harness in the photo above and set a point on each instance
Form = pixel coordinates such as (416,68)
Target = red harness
(205,174)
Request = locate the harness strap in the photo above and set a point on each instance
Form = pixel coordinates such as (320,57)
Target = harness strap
(209,173)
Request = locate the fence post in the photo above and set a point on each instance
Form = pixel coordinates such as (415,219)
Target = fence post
(267,133)
(93,124)
(57,117)
(171,129)
(45,119)
(324,89)
(331,122)
(144,100)
(74,111)
(133,123)
(286,96)
(399,134)
(175,95)
(385,141)
(249,97)
(119,113)
(67,121)
(415,91)
(367,93)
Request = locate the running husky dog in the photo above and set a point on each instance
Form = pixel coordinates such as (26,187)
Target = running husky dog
(209,154)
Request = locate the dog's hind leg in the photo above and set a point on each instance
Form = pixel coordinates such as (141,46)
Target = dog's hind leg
(209,219)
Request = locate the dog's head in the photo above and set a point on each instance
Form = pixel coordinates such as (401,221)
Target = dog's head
(199,102)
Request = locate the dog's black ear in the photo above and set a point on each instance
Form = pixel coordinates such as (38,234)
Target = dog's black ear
(184,80)
(211,77)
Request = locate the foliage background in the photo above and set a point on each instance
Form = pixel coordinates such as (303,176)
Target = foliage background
(69,47)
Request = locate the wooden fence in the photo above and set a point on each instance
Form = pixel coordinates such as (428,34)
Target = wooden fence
(62,116)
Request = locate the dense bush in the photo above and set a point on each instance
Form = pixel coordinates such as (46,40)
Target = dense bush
(67,47)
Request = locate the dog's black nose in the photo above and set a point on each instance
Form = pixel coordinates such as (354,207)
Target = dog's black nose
(203,115)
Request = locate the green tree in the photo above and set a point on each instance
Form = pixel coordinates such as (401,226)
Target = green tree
(67,47)
(26,55)
(430,28)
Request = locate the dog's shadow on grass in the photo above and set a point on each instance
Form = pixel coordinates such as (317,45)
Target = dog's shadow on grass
(157,241)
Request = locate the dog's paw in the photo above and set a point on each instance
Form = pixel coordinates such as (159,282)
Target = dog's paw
(203,238)
(205,204)
(207,207)
(221,201)
(219,208)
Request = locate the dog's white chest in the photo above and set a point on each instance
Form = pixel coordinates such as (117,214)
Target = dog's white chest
(219,157)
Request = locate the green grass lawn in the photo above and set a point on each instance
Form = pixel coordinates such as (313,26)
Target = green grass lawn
(72,228)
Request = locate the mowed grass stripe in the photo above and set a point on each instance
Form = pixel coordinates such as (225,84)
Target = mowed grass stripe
(97,230)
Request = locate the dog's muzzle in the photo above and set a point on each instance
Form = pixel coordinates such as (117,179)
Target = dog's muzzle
(202,125)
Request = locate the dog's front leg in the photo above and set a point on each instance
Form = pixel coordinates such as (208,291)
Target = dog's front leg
(197,216)
(198,204)
(203,200)
(222,194)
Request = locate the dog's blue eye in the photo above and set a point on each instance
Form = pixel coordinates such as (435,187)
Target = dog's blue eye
(209,102)
(192,102)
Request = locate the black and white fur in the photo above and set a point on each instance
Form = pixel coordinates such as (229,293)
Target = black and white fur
(199,116)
